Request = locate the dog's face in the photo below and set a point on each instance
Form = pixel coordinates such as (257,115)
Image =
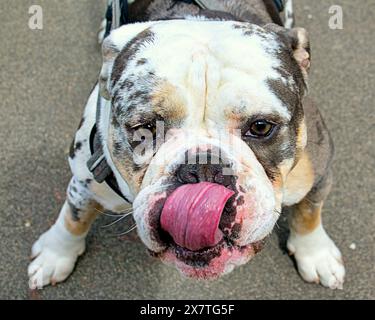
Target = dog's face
(206,124)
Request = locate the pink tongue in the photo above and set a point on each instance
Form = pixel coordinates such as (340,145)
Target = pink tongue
(192,213)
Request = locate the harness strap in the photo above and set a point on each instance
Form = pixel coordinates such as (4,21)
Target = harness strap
(117,15)
(97,164)
(273,7)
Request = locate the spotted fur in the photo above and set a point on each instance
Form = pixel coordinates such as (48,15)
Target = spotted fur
(171,66)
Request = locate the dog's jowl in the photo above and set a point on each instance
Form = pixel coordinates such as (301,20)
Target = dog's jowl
(205,131)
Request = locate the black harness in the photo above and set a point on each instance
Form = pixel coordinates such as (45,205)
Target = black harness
(97,164)
(273,7)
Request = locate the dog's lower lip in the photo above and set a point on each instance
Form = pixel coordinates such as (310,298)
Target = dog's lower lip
(199,252)
(203,256)
(225,242)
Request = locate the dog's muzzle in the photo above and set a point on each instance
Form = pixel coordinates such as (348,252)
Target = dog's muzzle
(204,218)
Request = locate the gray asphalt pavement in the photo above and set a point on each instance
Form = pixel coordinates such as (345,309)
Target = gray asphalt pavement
(45,78)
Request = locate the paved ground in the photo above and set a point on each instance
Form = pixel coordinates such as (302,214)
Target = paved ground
(44,81)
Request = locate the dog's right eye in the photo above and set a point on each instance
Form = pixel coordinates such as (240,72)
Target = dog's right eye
(141,131)
(148,126)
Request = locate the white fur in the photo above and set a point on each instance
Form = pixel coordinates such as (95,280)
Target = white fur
(239,65)
(55,254)
(318,258)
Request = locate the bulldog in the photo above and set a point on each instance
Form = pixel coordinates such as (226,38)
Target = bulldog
(201,127)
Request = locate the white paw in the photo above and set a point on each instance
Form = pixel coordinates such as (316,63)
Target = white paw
(318,258)
(55,254)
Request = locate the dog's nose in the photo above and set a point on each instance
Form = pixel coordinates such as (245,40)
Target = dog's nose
(205,172)
(203,168)
(194,173)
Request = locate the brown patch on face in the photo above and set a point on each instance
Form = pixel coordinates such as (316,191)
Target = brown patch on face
(235,116)
(86,217)
(124,163)
(277,182)
(168,103)
(109,50)
(134,179)
(301,177)
(306,216)
(300,140)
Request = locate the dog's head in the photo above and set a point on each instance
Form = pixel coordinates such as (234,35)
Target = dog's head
(206,124)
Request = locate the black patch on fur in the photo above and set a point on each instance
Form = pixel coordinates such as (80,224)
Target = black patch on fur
(137,167)
(128,53)
(288,97)
(74,147)
(217,15)
(127,85)
(78,146)
(71,150)
(74,211)
(81,123)
(141,62)
(85,183)
(289,65)
(142,97)
(235,232)
(117,146)
(250,29)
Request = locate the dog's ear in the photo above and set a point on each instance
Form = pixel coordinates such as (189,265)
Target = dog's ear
(112,46)
(296,39)
(299,41)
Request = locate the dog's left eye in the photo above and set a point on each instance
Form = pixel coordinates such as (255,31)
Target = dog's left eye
(148,126)
(260,129)
(151,127)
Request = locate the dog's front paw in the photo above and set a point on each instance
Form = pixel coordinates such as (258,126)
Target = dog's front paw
(55,255)
(318,258)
